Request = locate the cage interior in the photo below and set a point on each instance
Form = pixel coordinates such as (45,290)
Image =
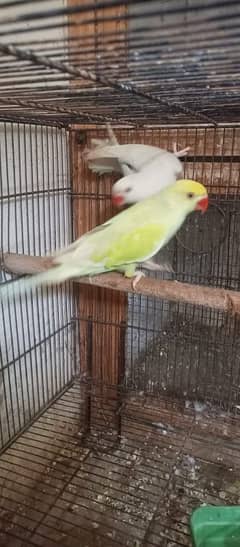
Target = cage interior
(119,410)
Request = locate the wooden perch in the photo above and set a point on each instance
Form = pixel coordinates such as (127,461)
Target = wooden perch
(220,299)
(24,264)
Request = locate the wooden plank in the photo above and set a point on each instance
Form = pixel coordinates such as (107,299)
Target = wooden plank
(102,306)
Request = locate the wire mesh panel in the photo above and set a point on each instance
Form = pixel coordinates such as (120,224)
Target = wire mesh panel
(138,489)
(126,454)
(170,348)
(154,62)
(36,333)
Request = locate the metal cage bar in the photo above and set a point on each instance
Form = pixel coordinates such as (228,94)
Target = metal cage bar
(151,430)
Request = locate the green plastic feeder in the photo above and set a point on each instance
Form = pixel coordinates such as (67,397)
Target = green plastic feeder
(216,526)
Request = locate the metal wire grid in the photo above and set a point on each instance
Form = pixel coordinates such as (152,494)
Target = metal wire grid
(59,488)
(154,62)
(207,248)
(127,493)
(183,350)
(189,355)
(37,334)
(175,352)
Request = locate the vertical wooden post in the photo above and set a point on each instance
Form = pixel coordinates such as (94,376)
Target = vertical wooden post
(106,308)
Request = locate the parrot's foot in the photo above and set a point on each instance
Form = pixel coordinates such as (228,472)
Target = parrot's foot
(137,276)
(131,272)
(180,153)
(154,267)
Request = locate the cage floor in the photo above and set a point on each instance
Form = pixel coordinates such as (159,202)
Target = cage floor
(133,479)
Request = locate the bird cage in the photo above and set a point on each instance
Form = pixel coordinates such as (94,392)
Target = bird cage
(119,409)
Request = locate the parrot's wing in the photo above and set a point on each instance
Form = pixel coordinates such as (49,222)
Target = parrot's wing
(75,243)
(101,164)
(133,246)
(96,157)
(112,139)
(104,159)
(130,156)
(87,235)
(98,163)
(105,165)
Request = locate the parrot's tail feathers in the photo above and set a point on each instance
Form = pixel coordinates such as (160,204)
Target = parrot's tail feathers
(55,275)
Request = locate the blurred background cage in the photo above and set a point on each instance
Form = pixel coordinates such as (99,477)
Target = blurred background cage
(118,412)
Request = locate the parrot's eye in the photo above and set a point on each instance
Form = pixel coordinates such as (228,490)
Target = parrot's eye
(128,189)
(190,195)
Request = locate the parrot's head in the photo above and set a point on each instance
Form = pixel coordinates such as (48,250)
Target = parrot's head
(192,194)
(163,171)
(130,189)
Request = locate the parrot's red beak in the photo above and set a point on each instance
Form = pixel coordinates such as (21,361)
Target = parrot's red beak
(117,200)
(202,205)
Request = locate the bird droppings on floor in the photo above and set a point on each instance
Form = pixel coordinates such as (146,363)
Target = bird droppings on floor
(133,478)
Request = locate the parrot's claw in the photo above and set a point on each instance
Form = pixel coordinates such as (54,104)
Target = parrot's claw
(182,152)
(137,276)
